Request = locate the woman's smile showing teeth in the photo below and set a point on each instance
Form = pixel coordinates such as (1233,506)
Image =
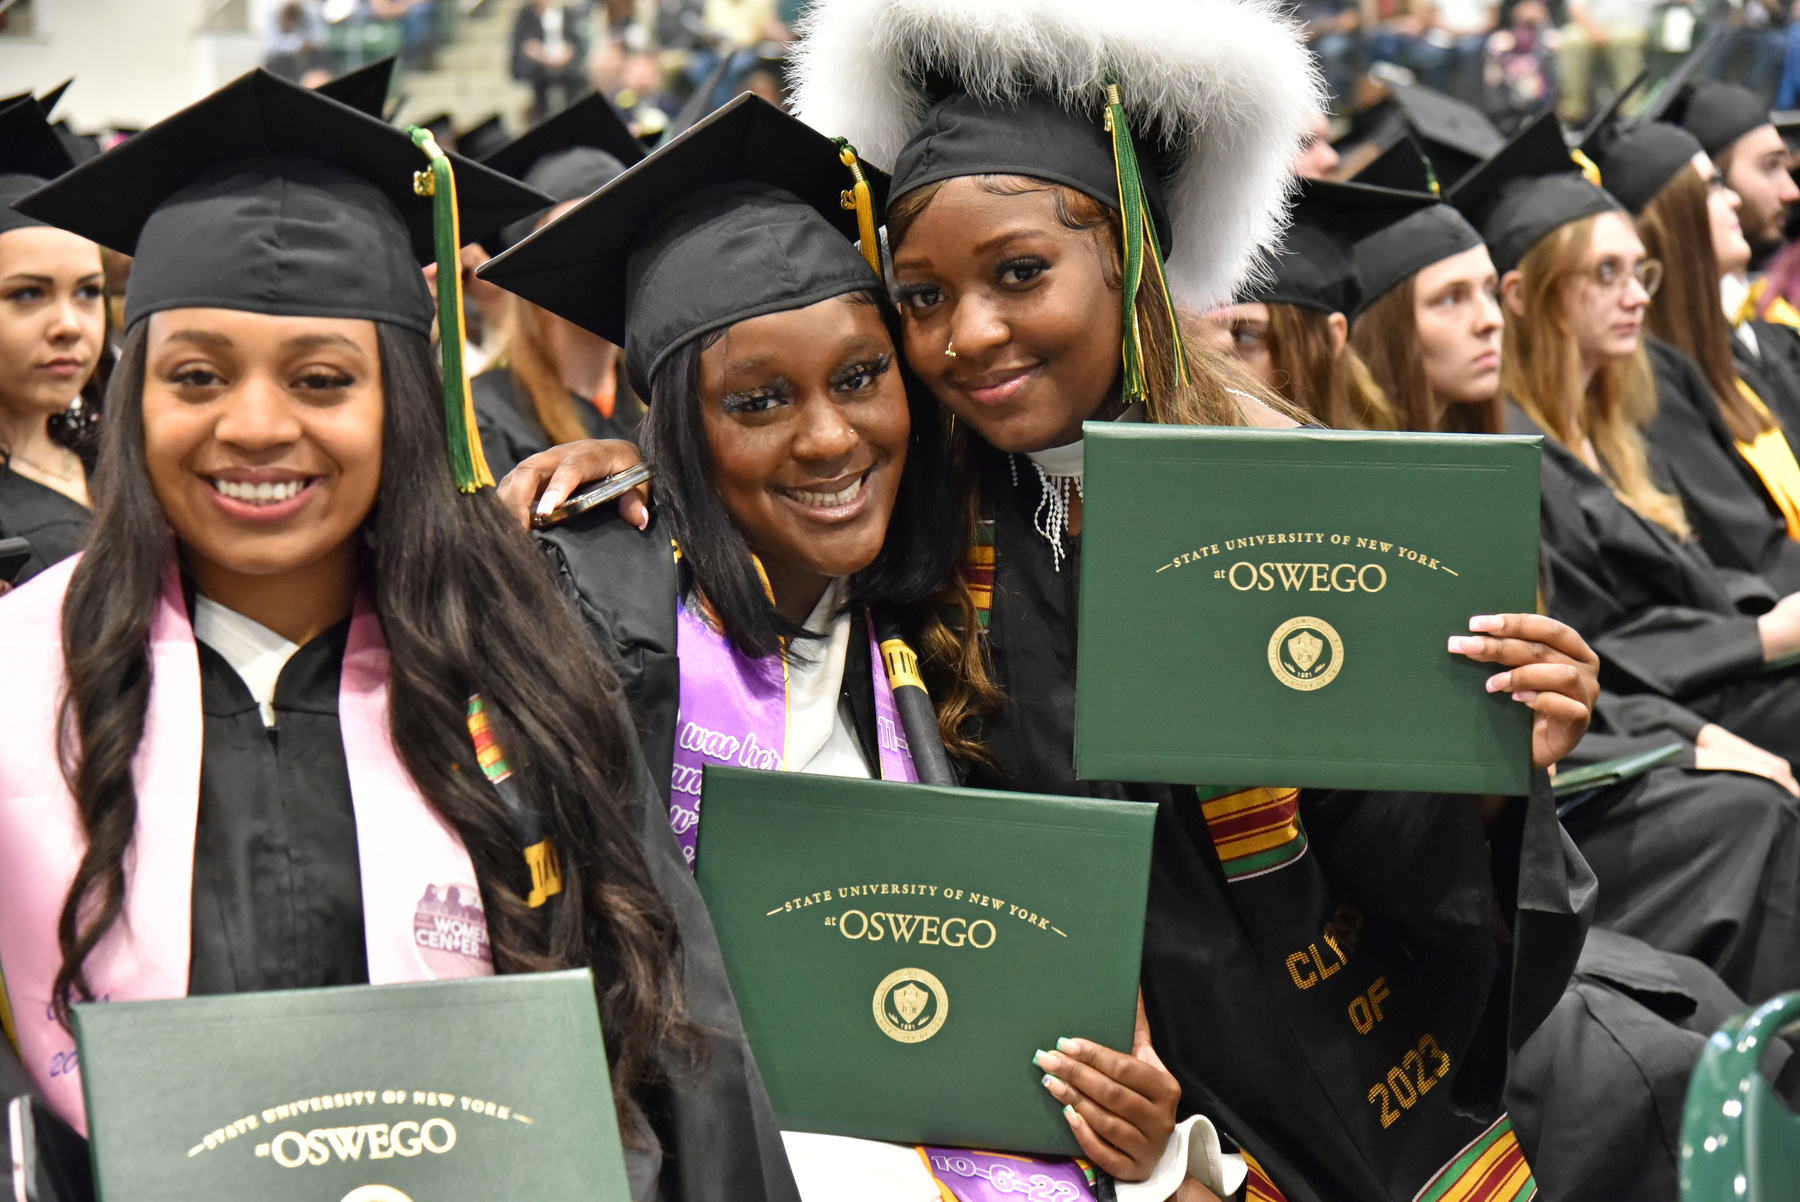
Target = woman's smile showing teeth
(828,502)
(261,495)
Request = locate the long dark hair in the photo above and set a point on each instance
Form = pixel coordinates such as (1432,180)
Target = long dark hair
(1332,384)
(923,540)
(466,606)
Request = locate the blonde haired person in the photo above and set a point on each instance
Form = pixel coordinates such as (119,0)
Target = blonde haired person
(1622,566)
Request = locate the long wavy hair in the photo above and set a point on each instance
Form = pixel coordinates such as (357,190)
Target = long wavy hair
(1387,338)
(1334,385)
(1677,229)
(1540,368)
(466,606)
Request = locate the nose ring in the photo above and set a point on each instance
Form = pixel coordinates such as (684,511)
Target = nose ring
(950,349)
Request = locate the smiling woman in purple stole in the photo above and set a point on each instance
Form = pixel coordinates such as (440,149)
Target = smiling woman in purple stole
(306,640)
(765,614)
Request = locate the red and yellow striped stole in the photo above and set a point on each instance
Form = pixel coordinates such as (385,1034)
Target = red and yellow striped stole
(1259,1188)
(1491,1169)
(1255,830)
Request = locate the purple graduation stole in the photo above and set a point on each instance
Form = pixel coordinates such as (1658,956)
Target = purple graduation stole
(966,1175)
(733,711)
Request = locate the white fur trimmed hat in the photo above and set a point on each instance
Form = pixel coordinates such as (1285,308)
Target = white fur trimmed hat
(1219,92)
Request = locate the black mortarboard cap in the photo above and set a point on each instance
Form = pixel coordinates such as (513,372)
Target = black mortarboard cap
(483,138)
(1033,136)
(1316,267)
(573,154)
(1716,113)
(1528,188)
(270,198)
(703,101)
(1454,135)
(740,216)
(1639,162)
(49,100)
(1401,166)
(30,156)
(1390,256)
(364,89)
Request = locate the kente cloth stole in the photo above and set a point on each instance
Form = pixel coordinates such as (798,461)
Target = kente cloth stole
(1383,1020)
(734,711)
(965,1175)
(978,576)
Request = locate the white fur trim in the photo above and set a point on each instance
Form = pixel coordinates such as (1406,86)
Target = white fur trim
(1231,80)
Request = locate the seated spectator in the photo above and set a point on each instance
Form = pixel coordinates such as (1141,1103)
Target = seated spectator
(1755,50)
(1454,43)
(1619,29)
(1331,31)
(549,52)
(1519,75)
(297,42)
(418,29)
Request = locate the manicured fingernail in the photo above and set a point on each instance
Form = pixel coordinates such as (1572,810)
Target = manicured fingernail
(1050,1082)
(548,501)
(1499,682)
(1069,1113)
(1484,622)
(1526,695)
(1067,1045)
(1038,1056)
(1462,645)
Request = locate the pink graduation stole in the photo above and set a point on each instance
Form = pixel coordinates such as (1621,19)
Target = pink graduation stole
(733,711)
(422,912)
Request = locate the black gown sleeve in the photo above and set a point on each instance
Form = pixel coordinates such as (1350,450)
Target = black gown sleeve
(1727,505)
(509,430)
(715,1134)
(1656,611)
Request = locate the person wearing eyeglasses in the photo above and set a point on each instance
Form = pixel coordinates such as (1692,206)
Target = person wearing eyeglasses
(1718,428)
(1621,561)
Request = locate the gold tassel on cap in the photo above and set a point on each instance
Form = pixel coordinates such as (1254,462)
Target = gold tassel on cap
(859,198)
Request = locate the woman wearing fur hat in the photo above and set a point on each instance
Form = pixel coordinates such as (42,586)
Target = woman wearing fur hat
(1018,192)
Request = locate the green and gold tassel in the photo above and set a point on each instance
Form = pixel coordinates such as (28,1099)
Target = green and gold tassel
(439,182)
(857,197)
(1140,247)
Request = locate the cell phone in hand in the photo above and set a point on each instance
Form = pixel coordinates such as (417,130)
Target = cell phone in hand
(590,495)
(15,553)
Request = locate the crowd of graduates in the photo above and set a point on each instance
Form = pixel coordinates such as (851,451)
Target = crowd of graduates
(274,539)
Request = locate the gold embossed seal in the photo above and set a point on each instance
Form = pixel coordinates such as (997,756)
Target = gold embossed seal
(911,1005)
(1306,653)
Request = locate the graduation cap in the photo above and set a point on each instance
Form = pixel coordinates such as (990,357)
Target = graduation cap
(702,102)
(1718,114)
(49,100)
(573,154)
(483,138)
(1636,160)
(30,156)
(364,89)
(1316,267)
(1390,256)
(269,198)
(740,216)
(1452,136)
(1527,189)
(1402,165)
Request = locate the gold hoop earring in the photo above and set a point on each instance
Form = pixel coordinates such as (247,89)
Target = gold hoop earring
(950,349)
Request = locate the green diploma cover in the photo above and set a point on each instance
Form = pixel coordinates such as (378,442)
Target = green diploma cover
(452,1091)
(899,951)
(1270,607)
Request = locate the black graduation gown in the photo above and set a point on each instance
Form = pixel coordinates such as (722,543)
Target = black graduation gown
(1400,894)
(56,526)
(509,428)
(1773,368)
(1661,616)
(1632,1017)
(1733,517)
